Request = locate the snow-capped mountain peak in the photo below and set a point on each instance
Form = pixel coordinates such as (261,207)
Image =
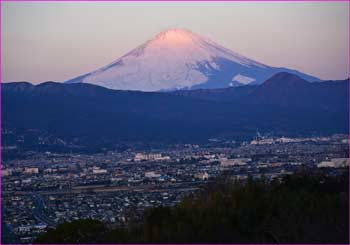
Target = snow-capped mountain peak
(174,36)
(176,59)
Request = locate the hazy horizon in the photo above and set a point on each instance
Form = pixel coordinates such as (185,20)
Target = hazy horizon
(59,41)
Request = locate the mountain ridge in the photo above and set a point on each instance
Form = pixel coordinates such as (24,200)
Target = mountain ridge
(95,116)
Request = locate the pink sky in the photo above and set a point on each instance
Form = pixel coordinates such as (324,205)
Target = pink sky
(58,41)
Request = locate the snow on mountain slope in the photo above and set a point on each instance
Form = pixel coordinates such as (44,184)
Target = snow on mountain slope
(178,59)
(243,79)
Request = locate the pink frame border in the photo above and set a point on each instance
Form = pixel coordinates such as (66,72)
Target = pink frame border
(145,1)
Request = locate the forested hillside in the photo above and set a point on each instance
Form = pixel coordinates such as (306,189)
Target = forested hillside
(300,209)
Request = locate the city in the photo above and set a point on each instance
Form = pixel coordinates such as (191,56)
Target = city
(41,191)
(223,122)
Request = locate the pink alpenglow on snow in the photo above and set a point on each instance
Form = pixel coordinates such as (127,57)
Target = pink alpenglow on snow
(177,59)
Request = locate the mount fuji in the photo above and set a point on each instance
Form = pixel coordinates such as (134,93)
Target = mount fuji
(179,59)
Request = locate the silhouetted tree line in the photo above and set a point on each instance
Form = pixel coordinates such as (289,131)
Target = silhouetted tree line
(299,209)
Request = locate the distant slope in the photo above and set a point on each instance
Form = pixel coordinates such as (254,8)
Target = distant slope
(281,89)
(283,105)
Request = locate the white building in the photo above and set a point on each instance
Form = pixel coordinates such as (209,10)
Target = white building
(98,170)
(27,181)
(341,162)
(224,162)
(6,172)
(202,176)
(150,157)
(152,174)
(31,170)
(335,163)
(266,141)
(40,226)
(24,228)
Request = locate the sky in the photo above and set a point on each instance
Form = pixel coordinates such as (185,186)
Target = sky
(55,41)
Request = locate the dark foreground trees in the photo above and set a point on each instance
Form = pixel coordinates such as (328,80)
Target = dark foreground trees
(300,209)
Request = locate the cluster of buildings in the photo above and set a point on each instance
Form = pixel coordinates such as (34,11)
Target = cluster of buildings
(150,157)
(46,189)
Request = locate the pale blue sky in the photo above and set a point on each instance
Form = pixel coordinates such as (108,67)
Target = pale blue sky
(58,41)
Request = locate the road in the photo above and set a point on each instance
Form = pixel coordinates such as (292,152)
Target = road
(39,210)
(183,186)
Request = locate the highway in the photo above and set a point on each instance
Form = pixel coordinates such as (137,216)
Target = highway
(183,186)
(39,213)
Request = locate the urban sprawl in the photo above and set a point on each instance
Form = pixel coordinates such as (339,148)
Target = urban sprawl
(43,190)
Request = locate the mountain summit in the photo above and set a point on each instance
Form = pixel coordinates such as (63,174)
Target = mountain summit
(179,59)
